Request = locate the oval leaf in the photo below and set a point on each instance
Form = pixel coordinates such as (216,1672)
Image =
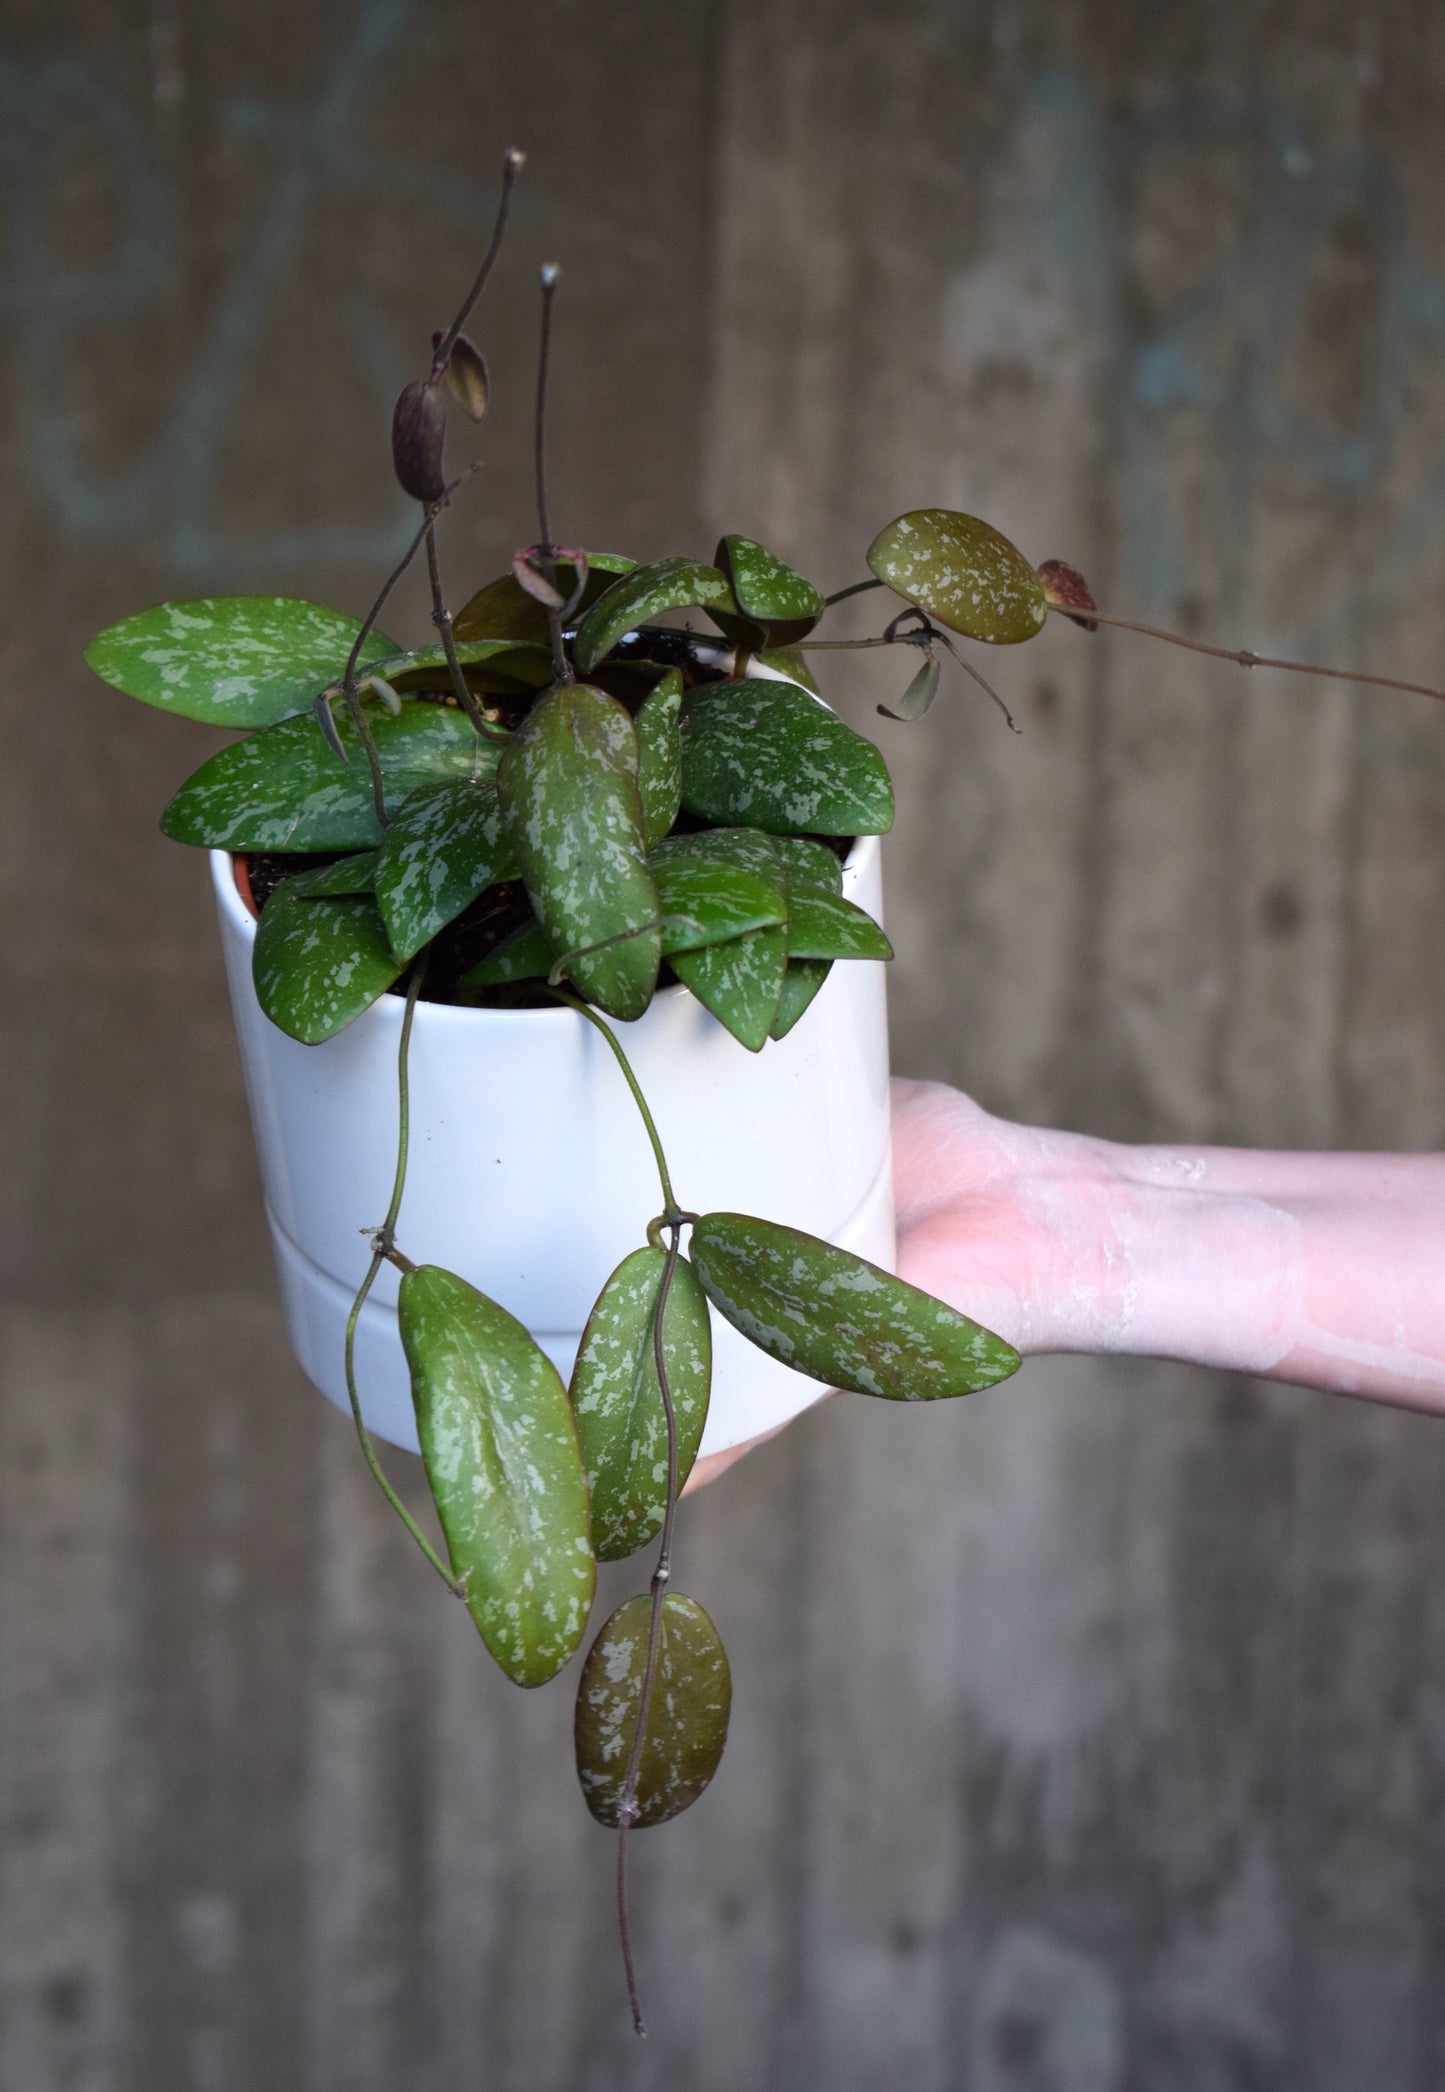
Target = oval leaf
(283,789)
(617,1401)
(501,1457)
(710,896)
(770,593)
(319,963)
(740,982)
(808,867)
(349,875)
(960,570)
(503,609)
(767,754)
(239,661)
(467,379)
(668,584)
(834,1316)
(445,844)
(659,756)
(687,1717)
(569,798)
(505,660)
(918,697)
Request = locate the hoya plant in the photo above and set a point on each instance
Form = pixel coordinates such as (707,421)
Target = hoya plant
(562,798)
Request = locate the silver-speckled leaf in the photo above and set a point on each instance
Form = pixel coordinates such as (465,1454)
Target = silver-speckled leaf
(617,1401)
(349,875)
(667,584)
(768,755)
(503,610)
(283,788)
(573,814)
(961,571)
(839,1319)
(687,1721)
(714,891)
(444,845)
(825,926)
(771,594)
(526,954)
(801,983)
(318,963)
(740,981)
(786,662)
(659,749)
(239,661)
(501,1457)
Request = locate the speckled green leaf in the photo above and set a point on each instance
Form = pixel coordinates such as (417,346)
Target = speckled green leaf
(504,660)
(775,597)
(504,610)
(714,892)
(770,756)
(740,982)
(618,1403)
(961,571)
(687,1717)
(801,983)
(349,875)
(318,963)
(501,1455)
(526,954)
(824,926)
(444,845)
(573,814)
(242,661)
(283,788)
(831,1315)
(659,751)
(668,584)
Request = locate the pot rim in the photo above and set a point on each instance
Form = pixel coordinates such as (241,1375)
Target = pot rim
(226,883)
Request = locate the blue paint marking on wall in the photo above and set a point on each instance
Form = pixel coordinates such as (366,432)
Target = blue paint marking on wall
(1265,275)
(167,497)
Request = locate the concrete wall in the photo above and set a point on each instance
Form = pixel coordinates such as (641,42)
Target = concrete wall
(1089,1736)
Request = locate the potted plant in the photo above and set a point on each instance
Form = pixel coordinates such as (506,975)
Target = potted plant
(516,921)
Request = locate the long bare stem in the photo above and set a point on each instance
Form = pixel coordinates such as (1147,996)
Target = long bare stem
(1244,657)
(546,549)
(512,164)
(441,617)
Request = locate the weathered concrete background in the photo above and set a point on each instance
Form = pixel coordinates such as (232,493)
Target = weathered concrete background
(1089,1738)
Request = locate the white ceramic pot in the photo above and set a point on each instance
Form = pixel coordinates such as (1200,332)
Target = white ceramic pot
(530,1173)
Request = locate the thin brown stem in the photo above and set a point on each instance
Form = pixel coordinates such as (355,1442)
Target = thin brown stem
(627,1808)
(1244,657)
(441,617)
(512,165)
(545,548)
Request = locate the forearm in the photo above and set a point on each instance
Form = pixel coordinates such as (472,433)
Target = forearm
(1323,1269)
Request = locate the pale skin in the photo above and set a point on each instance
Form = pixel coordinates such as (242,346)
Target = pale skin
(1327,1270)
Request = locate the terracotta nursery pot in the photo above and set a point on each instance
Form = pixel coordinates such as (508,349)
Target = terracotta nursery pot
(530,1174)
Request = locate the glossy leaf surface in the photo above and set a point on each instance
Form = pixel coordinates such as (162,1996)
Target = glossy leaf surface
(771,594)
(647,592)
(839,1319)
(786,662)
(720,896)
(617,1400)
(317,964)
(808,868)
(687,1722)
(659,752)
(501,1457)
(918,697)
(504,610)
(768,755)
(963,572)
(239,661)
(573,813)
(349,875)
(740,982)
(283,788)
(443,847)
